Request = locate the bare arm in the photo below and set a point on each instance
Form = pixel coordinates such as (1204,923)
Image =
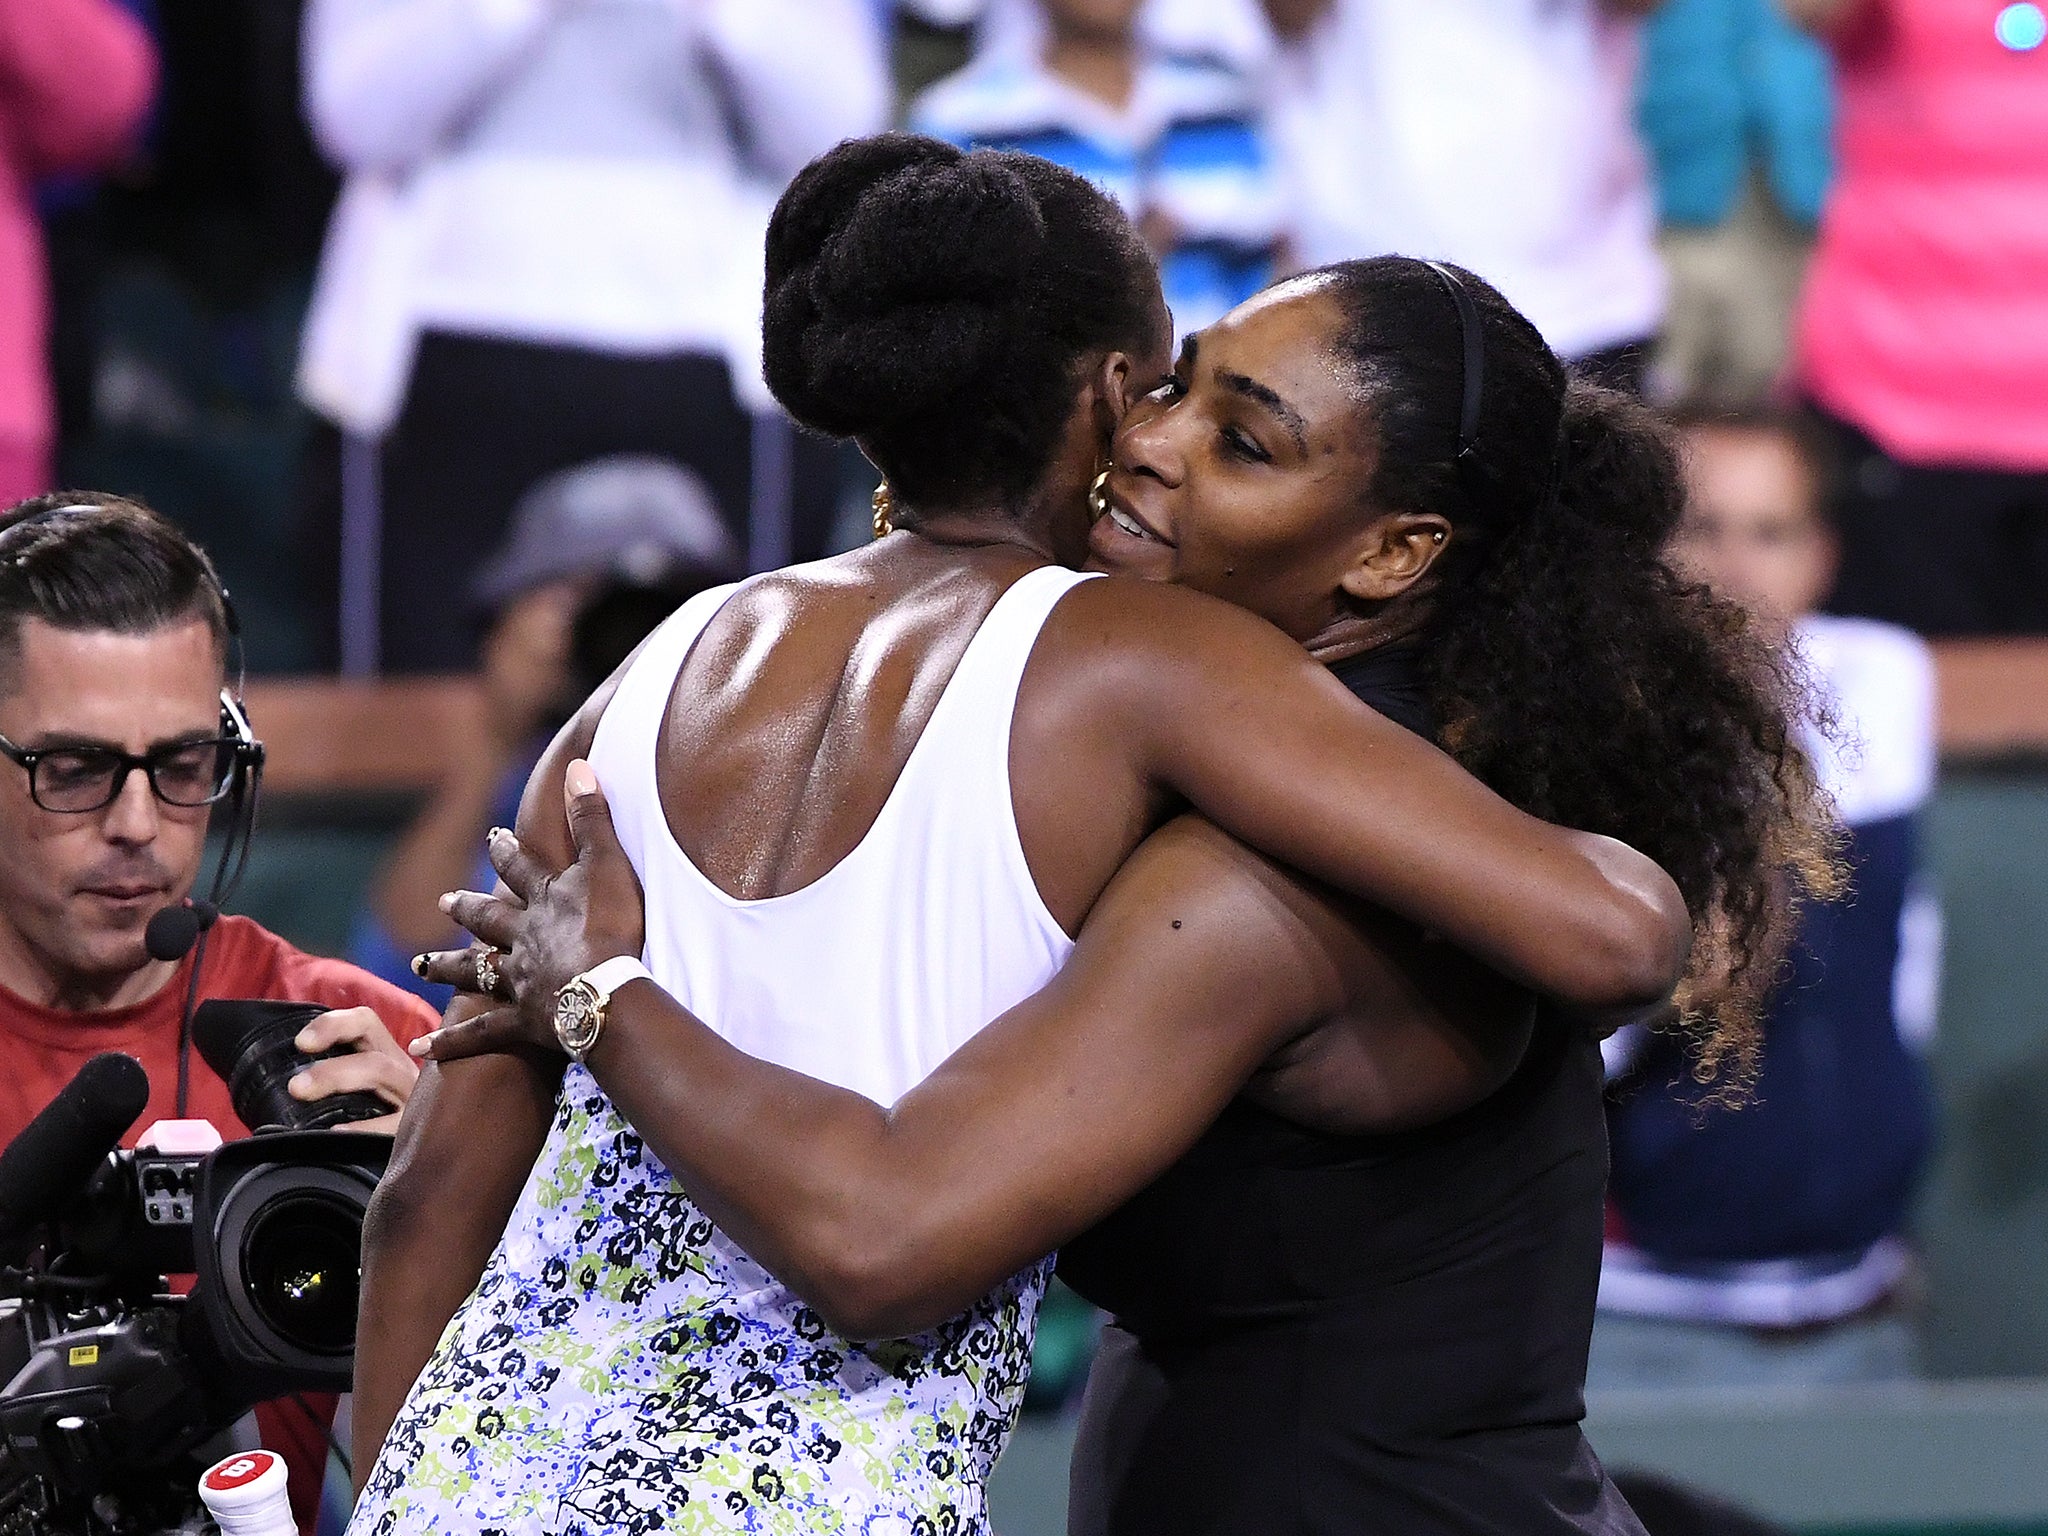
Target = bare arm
(1197,962)
(436,852)
(523,669)
(1220,708)
(466,1144)
(436,1217)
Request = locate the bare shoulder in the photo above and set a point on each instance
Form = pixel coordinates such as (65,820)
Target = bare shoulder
(1207,873)
(1128,645)
(1366,1024)
(1155,618)
(543,815)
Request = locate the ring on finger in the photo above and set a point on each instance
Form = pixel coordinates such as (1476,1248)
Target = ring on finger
(487,970)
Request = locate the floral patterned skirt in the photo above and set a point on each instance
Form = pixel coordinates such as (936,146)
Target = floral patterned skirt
(623,1366)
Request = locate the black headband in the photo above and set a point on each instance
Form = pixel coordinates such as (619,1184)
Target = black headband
(1475,360)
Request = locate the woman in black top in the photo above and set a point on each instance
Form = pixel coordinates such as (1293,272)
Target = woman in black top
(1363,1297)
(1317,1332)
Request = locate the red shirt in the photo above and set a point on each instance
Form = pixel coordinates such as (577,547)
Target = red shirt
(44,1048)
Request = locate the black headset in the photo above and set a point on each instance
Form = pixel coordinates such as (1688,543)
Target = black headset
(174,931)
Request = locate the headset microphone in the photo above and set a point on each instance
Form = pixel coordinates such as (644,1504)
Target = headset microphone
(173,931)
(170,935)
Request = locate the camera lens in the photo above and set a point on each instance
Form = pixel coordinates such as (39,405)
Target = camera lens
(253,1047)
(300,1258)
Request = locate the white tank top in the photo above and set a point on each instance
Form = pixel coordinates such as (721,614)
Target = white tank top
(623,1365)
(875,972)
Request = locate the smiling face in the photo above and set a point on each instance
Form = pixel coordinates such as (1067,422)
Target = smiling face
(76,889)
(1245,476)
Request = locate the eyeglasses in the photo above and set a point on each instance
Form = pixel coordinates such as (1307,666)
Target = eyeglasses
(77,779)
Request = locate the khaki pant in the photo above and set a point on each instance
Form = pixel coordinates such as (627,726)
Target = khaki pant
(1734,288)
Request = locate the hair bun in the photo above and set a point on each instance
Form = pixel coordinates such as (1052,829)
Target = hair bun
(823,194)
(899,273)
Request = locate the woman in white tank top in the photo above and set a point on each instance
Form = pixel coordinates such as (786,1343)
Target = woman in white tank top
(869,801)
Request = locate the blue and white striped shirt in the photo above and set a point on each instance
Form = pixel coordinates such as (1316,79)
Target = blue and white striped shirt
(1190,151)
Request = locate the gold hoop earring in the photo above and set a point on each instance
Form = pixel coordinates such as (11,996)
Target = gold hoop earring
(885,509)
(1098,504)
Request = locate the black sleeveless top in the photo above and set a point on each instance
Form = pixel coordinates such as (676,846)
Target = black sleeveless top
(1320,1335)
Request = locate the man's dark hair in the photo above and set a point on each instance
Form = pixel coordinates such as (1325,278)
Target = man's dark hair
(1800,430)
(87,560)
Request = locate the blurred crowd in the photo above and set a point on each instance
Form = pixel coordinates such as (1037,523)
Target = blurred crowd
(437,320)
(337,282)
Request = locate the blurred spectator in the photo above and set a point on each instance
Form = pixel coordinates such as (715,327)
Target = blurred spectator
(1234,32)
(1924,330)
(948,14)
(547,250)
(928,40)
(67,208)
(1499,134)
(178,287)
(597,556)
(1176,139)
(1737,111)
(1785,1213)
(75,81)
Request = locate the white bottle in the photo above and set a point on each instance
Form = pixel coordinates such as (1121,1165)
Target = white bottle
(245,1495)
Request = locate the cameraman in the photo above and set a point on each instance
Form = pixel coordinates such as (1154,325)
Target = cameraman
(114,652)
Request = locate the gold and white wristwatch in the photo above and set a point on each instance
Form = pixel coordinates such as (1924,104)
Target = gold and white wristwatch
(581,1005)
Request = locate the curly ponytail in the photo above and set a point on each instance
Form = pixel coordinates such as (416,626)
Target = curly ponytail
(1589,684)
(1571,669)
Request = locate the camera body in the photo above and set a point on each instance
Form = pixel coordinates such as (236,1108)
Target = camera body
(133,1220)
(114,1380)
(99,1416)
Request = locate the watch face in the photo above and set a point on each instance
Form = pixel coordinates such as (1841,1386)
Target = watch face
(575,1015)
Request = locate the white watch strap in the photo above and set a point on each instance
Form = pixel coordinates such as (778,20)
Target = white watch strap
(607,976)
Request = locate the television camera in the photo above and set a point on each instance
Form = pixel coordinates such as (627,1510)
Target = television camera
(116,1375)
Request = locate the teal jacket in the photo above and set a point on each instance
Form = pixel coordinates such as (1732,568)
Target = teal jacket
(1724,81)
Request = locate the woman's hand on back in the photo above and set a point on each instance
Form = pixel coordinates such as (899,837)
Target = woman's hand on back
(547,925)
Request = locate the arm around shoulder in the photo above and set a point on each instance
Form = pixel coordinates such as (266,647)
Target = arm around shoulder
(1198,961)
(1242,723)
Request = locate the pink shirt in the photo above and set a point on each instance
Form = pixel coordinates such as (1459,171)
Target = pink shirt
(75,80)
(1925,320)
